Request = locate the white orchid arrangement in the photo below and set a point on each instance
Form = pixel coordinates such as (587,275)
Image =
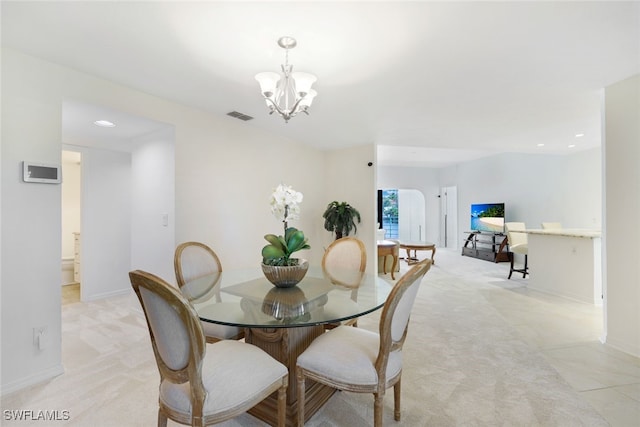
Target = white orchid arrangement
(285,203)
(285,206)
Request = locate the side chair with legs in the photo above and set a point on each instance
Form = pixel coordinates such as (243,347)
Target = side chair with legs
(193,260)
(202,384)
(517,243)
(344,263)
(358,360)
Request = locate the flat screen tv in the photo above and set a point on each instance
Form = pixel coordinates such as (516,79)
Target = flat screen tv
(487,217)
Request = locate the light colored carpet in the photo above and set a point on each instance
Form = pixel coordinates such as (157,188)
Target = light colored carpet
(465,364)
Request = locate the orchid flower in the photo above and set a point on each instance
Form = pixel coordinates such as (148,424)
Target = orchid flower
(285,203)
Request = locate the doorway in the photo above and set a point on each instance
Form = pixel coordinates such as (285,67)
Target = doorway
(411,215)
(402,214)
(71,225)
(449,217)
(127,196)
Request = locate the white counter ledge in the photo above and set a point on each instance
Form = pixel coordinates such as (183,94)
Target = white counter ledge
(567,232)
(567,263)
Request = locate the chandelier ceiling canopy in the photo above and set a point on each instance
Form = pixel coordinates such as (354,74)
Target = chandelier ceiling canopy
(287,93)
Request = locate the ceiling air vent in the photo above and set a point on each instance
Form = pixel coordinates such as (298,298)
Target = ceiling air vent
(240,116)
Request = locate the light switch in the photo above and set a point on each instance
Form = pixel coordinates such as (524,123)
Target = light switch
(41,337)
(165,219)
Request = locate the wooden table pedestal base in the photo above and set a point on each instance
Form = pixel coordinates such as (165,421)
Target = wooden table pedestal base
(285,345)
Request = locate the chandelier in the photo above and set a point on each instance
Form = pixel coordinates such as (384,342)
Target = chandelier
(287,93)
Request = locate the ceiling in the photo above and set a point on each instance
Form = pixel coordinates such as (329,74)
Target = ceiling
(79,128)
(431,83)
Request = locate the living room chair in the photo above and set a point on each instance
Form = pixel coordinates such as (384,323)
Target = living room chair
(202,384)
(343,263)
(362,361)
(193,260)
(517,244)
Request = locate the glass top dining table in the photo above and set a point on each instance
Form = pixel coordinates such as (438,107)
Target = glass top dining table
(245,298)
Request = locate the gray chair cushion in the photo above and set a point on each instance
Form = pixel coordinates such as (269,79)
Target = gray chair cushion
(247,367)
(219,331)
(348,355)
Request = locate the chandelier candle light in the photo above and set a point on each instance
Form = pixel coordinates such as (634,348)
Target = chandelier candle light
(287,93)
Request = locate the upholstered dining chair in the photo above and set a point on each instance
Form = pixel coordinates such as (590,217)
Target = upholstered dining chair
(517,244)
(343,263)
(362,361)
(199,384)
(191,261)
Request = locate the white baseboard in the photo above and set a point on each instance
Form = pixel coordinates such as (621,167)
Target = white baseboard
(624,347)
(32,379)
(117,293)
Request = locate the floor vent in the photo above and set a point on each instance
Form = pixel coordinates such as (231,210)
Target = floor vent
(240,116)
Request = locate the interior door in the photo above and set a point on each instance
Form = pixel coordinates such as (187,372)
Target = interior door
(411,215)
(449,217)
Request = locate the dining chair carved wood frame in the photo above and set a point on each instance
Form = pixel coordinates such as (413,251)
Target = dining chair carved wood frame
(196,252)
(180,348)
(341,254)
(393,329)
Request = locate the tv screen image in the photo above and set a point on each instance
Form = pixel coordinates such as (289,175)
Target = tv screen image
(487,217)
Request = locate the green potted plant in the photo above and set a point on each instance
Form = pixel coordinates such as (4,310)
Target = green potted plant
(340,218)
(277,264)
(280,249)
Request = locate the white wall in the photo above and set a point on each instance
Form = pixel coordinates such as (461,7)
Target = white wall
(225,171)
(622,204)
(31,231)
(582,195)
(153,197)
(529,185)
(534,187)
(106,223)
(349,179)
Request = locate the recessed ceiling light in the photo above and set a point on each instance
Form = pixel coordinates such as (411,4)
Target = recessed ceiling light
(572,145)
(579,135)
(541,145)
(104,123)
